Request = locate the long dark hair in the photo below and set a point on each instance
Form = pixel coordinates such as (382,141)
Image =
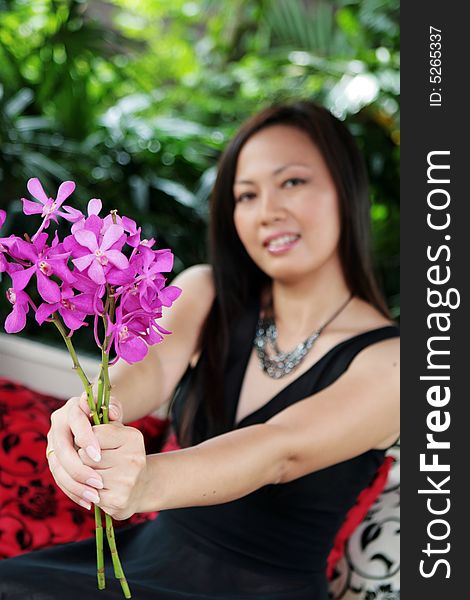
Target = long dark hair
(238,278)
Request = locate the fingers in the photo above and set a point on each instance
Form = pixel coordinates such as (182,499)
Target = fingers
(78,492)
(115,407)
(115,435)
(67,423)
(71,428)
(82,431)
(106,461)
(115,410)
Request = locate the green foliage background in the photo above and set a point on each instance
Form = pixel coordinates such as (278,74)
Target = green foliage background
(135,99)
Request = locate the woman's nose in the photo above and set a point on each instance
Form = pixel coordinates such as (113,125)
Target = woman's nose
(271,207)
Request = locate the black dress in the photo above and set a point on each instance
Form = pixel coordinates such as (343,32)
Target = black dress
(272,544)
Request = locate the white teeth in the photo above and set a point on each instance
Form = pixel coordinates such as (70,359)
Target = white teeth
(282,241)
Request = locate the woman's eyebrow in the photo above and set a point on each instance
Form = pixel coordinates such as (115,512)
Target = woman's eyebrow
(275,172)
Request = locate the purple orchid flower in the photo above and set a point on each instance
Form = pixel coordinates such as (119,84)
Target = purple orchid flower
(129,227)
(45,262)
(16,320)
(72,308)
(149,281)
(100,256)
(80,222)
(47,207)
(125,337)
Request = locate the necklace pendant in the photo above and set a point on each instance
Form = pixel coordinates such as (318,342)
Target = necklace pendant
(277,364)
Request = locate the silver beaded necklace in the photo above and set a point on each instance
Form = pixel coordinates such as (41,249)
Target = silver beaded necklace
(275,363)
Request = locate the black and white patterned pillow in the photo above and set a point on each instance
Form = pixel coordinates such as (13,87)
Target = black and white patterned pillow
(370,567)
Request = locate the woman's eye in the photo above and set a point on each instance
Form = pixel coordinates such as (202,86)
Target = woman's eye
(293,181)
(245,196)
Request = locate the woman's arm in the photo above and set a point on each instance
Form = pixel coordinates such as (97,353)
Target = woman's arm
(145,386)
(354,414)
(137,389)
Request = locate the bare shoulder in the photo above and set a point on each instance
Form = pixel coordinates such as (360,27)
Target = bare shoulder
(383,355)
(380,356)
(197,288)
(198,278)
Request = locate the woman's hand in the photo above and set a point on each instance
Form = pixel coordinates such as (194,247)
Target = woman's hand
(71,429)
(122,468)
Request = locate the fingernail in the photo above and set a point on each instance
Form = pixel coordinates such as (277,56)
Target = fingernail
(113,409)
(91,496)
(96,483)
(93,453)
(86,505)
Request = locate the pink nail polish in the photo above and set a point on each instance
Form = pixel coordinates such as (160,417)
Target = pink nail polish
(86,505)
(91,496)
(113,409)
(93,453)
(96,483)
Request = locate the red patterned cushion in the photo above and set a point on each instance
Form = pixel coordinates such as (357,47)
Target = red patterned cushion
(34,513)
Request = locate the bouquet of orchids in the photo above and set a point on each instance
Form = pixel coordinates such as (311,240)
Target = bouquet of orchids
(103,272)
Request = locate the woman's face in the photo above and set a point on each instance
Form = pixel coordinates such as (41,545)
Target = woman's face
(286,205)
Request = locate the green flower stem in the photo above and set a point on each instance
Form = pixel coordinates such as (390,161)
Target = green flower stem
(99,549)
(99,400)
(77,367)
(106,385)
(119,573)
(96,420)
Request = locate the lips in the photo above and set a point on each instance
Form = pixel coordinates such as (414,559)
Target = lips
(281,242)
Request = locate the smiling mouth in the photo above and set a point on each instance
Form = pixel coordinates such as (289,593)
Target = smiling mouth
(282,243)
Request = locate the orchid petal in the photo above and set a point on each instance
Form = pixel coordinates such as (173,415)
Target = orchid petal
(94,206)
(31,208)
(61,270)
(24,250)
(16,320)
(170,293)
(66,292)
(83,262)
(3,216)
(118,259)
(78,226)
(133,350)
(40,241)
(72,320)
(45,311)
(48,289)
(65,189)
(36,190)
(3,264)
(117,276)
(154,337)
(71,214)
(87,238)
(129,225)
(96,273)
(21,278)
(95,224)
(111,236)
(84,303)
(164,260)
(161,329)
